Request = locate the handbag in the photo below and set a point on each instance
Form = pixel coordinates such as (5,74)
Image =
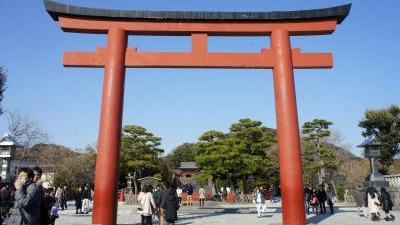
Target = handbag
(140,210)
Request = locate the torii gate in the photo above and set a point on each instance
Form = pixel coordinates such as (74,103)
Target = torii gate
(118,24)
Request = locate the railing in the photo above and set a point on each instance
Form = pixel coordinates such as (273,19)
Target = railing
(394,180)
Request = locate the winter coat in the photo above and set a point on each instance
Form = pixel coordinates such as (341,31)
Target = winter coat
(307,194)
(26,208)
(78,199)
(331,197)
(202,193)
(321,196)
(171,206)
(386,201)
(259,198)
(359,197)
(148,204)
(373,203)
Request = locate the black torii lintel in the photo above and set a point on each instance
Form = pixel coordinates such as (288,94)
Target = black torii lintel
(56,9)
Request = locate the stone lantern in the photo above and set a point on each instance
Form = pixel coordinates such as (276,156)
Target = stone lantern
(374,178)
(8,144)
(129,181)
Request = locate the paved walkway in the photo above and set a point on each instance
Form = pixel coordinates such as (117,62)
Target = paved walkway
(225,214)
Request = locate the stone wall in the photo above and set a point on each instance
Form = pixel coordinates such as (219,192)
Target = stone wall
(395,195)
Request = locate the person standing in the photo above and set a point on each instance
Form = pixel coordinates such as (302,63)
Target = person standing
(78,201)
(307,199)
(64,198)
(387,204)
(44,208)
(189,198)
(86,198)
(314,201)
(360,201)
(58,195)
(272,193)
(331,198)
(202,196)
(179,193)
(27,200)
(321,196)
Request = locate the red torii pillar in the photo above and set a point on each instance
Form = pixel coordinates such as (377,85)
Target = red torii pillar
(117,24)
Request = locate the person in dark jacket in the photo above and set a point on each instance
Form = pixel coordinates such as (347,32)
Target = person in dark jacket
(78,201)
(163,197)
(387,204)
(171,204)
(307,199)
(321,196)
(44,208)
(189,198)
(28,198)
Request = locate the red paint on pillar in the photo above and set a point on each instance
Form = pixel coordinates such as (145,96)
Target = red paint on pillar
(288,130)
(109,143)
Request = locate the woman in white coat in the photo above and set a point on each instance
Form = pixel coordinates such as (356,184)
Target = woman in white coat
(373,205)
(259,201)
(148,205)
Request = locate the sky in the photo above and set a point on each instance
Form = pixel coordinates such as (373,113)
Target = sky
(179,105)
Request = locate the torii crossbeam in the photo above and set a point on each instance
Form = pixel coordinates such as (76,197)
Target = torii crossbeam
(116,57)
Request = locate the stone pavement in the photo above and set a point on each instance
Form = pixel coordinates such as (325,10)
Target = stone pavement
(217,213)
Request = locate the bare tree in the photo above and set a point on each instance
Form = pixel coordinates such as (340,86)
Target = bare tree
(25,130)
(3,80)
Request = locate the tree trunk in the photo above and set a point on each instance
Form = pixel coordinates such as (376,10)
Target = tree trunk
(134,182)
(211,184)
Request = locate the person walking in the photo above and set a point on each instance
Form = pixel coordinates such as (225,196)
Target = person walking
(387,204)
(53,213)
(148,204)
(28,198)
(373,204)
(202,196)
(259,200)
(360,201)
(164,194)
(171,204)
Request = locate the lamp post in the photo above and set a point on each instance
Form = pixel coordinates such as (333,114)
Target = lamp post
(374,178)
(8,144)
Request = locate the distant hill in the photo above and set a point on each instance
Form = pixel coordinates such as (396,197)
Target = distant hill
(44,154)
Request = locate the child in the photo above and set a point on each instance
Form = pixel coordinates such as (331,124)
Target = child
(53,213)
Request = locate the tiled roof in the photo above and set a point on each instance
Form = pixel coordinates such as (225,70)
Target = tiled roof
(188,165)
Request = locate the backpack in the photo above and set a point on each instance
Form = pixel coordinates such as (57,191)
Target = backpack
(157,197)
